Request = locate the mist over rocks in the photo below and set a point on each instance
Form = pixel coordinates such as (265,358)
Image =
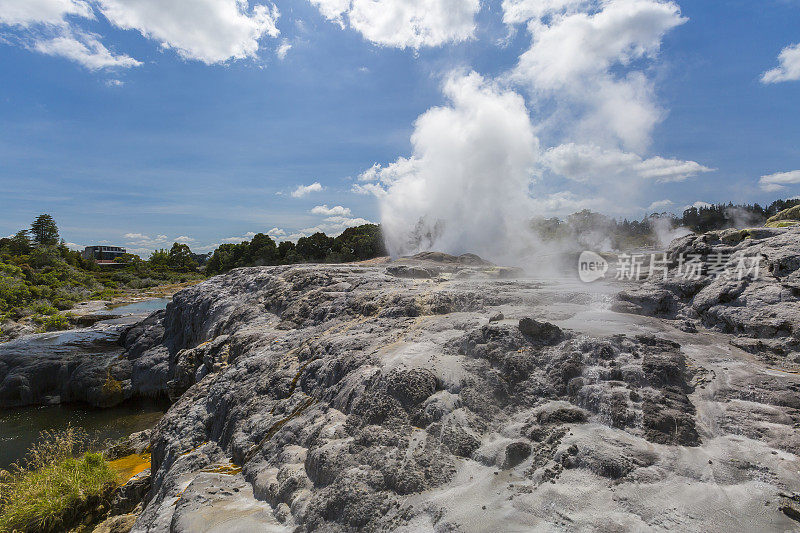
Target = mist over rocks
(343,398)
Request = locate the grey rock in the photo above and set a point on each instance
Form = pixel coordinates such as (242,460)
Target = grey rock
(131,494)
(543,332)
(337,398)
(497,318)
(766,308)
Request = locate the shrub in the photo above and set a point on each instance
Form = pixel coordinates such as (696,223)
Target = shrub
(55,323)
(58,483)
(43,308)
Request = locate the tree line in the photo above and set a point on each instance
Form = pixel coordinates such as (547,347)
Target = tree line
(354,244)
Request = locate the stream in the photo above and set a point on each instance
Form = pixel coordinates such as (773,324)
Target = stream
(21,427)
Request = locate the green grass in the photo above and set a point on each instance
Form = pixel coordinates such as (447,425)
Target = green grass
(57,486)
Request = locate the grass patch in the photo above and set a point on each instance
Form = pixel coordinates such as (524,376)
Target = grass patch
(57,485)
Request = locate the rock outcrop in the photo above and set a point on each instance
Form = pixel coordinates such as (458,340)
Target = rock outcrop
(72,366)
(762,311)
(346,397)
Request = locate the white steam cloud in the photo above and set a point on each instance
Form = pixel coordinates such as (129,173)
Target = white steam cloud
(477,175)
(466,185)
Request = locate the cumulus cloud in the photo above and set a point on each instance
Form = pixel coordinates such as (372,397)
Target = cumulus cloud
(369,189)
(276,232)
(660,205)
(788,68)
(331,211)
(583,61)
(236,240)
(337,219)
(211,31)
(52,12)
(778,181)
(589,163)
(46,26)
(305,190)
(405,23)
(86,50)
(333,226)
(145,242)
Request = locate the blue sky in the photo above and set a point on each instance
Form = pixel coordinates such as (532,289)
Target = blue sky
(135,131)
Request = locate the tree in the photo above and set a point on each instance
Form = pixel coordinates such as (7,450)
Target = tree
(286,251)
(181,259)
(314,248)
(263,250)
(20,243)
(45,230)
(159,259)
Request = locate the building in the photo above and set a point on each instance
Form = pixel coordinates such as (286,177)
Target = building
(103,254)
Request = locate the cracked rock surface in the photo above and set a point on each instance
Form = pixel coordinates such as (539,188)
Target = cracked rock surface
(367,398)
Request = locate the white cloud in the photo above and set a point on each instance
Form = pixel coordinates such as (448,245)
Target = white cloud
(274,233)
(589,163)
(115,83)
(789,68)
(305,190)
(778,181)
(283,49)
(405,23)
(211,31)
(331,211)
(698,205)
(399,169)
(659,205)
(335,225)
(51,12)
(369,189)
(234,240)
(520,11)
(55,36)
(583,62)
(333,10)
(142,243)
(84,49)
